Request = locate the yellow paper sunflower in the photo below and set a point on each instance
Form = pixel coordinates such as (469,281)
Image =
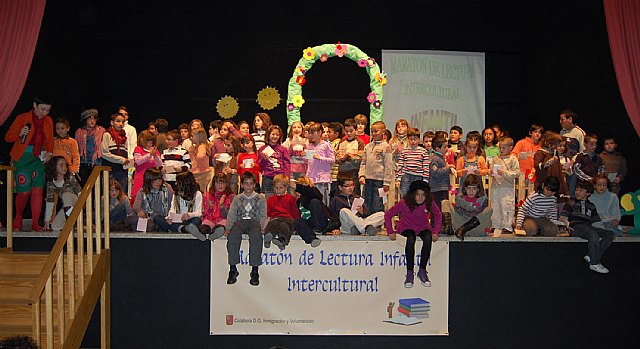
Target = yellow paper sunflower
(309,53)
(297,101)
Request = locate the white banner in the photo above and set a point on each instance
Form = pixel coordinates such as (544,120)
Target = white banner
(339,288)
(434,90)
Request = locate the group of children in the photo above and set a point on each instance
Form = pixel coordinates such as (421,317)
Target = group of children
(209,184)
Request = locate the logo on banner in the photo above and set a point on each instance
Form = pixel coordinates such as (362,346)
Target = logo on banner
(229,320)
(410,311)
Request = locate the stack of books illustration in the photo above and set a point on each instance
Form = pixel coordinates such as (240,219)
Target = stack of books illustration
(414,307)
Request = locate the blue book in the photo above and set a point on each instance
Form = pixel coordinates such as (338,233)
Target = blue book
(412,303)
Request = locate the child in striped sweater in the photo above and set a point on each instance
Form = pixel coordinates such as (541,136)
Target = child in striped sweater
(540,207)
(413,163)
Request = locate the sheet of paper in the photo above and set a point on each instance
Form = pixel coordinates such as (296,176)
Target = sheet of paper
(268,151)
(308,154)
(402,319)
(612,176)
(384,195)
(298,147)
(248,163)
(519,232)
(471,169)
(357,202)
(496,168)
(175,217)
(169,169)
(401,240)
(223,157)
(142,224)
(557,222)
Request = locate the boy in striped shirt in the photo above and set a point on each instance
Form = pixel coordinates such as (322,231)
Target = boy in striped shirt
(539,209)
(413,163)
(175,158)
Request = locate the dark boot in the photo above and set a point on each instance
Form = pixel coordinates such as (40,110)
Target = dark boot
(468,225)
(446,224)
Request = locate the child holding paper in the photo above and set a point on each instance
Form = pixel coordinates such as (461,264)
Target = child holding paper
(175,158)
(186,207)
(248,161)
(273,159)
(504,170)
(319,164)
(355,217)
(419,217)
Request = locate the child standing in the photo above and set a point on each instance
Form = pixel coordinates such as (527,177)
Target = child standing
(185,136)
(146,155)
(273,158)
(89,139)
(547,163)
(575,140)
(376,168)
(296,144)
(199,155)
(261,124)
(471,162)
(66,146)
(581,213)
(335,138)
(282,210)
(216,204)
(505,169)
(175,159)
(588,163)
(248,161)
(528,146)
(121,215)
(539,207)
(361,125)
(62,191)
(349,154)
(419,216)
(439,172)
(455,135)
(187,201)
(471,215)
(490,144)
(154,199)
(319,164)
(607,204)
(413,164)
(114,150)
(354,223)
(247,215)
(230,166)
(614,163)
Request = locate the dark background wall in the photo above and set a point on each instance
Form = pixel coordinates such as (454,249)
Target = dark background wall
(175,59)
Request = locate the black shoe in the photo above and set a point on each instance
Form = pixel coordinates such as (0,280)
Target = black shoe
(466,227)
(255,278)
(204,229)
(233,277)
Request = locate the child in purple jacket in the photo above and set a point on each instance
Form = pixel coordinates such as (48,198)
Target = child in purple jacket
(273,158)
(416,210)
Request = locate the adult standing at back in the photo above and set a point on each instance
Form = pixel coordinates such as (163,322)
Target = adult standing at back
(32,136)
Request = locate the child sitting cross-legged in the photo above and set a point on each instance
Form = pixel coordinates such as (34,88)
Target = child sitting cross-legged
(607,204)
(247,215)
(187,202)
(154,198)
(215,207)
(470,216)
(354,223)
(282,209)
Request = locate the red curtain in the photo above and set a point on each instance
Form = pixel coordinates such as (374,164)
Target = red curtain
(19,27)
(623,26)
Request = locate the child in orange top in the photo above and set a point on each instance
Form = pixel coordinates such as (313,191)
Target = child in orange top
(471,162)
(66,146)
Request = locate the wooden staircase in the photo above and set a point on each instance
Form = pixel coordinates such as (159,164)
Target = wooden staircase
(51,296)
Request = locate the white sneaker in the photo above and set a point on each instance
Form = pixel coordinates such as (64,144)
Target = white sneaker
(588,259)
(599,268)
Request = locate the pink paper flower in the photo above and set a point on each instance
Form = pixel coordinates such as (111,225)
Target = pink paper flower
(341,49)
(372,97)
(362,63)
(323,57)
(291,106)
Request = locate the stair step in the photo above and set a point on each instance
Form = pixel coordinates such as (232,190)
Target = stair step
(21,264)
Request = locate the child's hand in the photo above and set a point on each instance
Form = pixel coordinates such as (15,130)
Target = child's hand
(617,180)
(392,236)
(163,170)
(222,198)
(361,180)
(435,237)
(385,188)
(169,220)
(126,162)
(397,185)
(185,217)
(141,214)
(360,209)
(264,156)
(316,156)
(501,172)
(227,232)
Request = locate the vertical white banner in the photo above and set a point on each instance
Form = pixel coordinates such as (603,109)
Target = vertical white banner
(434,90)
(339,288)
